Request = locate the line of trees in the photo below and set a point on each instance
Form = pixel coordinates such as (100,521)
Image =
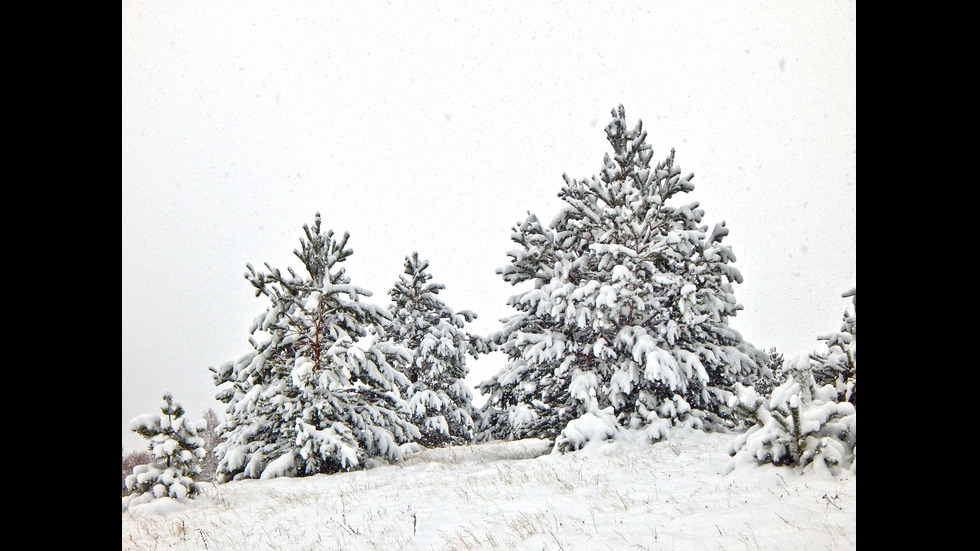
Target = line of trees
(621,332)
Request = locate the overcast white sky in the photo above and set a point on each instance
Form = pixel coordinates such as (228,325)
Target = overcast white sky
(436,126)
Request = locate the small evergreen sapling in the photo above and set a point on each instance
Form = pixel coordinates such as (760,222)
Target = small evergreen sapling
(774,362)
(439,401)
(838,365)
(810,420)
(211,437)
(801,425)
(130,460)
(176,451)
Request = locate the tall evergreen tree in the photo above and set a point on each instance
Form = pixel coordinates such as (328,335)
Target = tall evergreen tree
(439,401)
(176,451)
(626,317)
(320,392)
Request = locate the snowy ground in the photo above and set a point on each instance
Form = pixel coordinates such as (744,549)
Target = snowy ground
(514,495)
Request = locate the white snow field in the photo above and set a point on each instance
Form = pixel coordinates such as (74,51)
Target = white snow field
(671,495)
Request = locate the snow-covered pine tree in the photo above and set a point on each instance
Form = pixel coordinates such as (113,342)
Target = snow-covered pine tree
(625,326)
(801,425)
(810,419)
(212,437)
(774,362)
(177,451)
(838,365)
(439,400)
(320,392)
